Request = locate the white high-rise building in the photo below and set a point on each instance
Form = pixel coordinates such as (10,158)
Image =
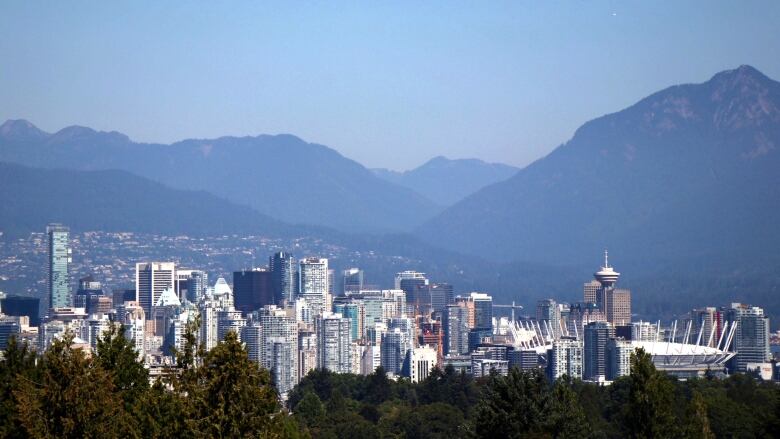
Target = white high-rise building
(371,359)
(281,357)
(133,318)
(374,334)
(398,298)
(421,363)
(303,311)
(209,336)
(252,336)
(176,331)
(49,331)
(217,299)
(223,294)
(644,331)
(151,279)
(313,283)
(95,327)
(333,336)
(565,358)
(618,358)
(307,351)
(280,347)
(229,321)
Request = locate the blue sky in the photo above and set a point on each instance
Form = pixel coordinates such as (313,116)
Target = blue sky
(389,84)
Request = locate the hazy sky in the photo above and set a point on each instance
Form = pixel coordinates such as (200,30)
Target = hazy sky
(388,84)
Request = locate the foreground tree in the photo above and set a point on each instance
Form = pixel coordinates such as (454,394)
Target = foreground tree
(17,364)
(72,398)
(698,424)
(117,356)
(234,397)
(566,417)
(512,405)
(648,413)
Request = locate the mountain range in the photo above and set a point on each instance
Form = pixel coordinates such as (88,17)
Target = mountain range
(682,187)
(691,173)
(117,201)
(280,176)
(447,181)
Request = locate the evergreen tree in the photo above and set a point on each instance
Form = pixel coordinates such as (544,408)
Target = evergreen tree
(311,411)
(698,425)
(234,397)
(513,406)
(163,413)
(17,364)
(117,356)
(378,389)
(566,418)
(648,413)
(73,398)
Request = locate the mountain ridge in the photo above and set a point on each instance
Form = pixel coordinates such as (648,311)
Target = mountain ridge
(621,181)
(118,201)
(279,175)
(446,181)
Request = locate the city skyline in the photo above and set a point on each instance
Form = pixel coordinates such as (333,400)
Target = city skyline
(444,219)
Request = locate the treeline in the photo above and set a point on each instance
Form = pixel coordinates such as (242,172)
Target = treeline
(524,404)
(66,393)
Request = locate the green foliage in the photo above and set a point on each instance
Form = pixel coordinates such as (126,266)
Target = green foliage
(117,356)
(523,404)
(18,364)
(698,424)
(234,397)
(73,398)
(648,413)
(67,393)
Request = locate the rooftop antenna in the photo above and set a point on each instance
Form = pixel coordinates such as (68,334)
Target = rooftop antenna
(606,258)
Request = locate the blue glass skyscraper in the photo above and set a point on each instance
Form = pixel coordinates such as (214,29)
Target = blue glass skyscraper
(59,259)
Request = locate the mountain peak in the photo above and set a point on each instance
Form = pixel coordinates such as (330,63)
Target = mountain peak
(744,97)
(20,129)
(78,132)
(742,74)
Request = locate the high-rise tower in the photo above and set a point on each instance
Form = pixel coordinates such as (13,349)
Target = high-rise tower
(597,334)
(284,279)
(252,289)
(614,302)
(751,338)
(59,259)
(151,279)
(313,281)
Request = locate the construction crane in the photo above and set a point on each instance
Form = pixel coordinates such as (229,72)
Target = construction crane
(512,306)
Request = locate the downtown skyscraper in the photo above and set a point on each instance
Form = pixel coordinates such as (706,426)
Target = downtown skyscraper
(151,279)
(59,259)
(751,338)
(313,283)
(284,278)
